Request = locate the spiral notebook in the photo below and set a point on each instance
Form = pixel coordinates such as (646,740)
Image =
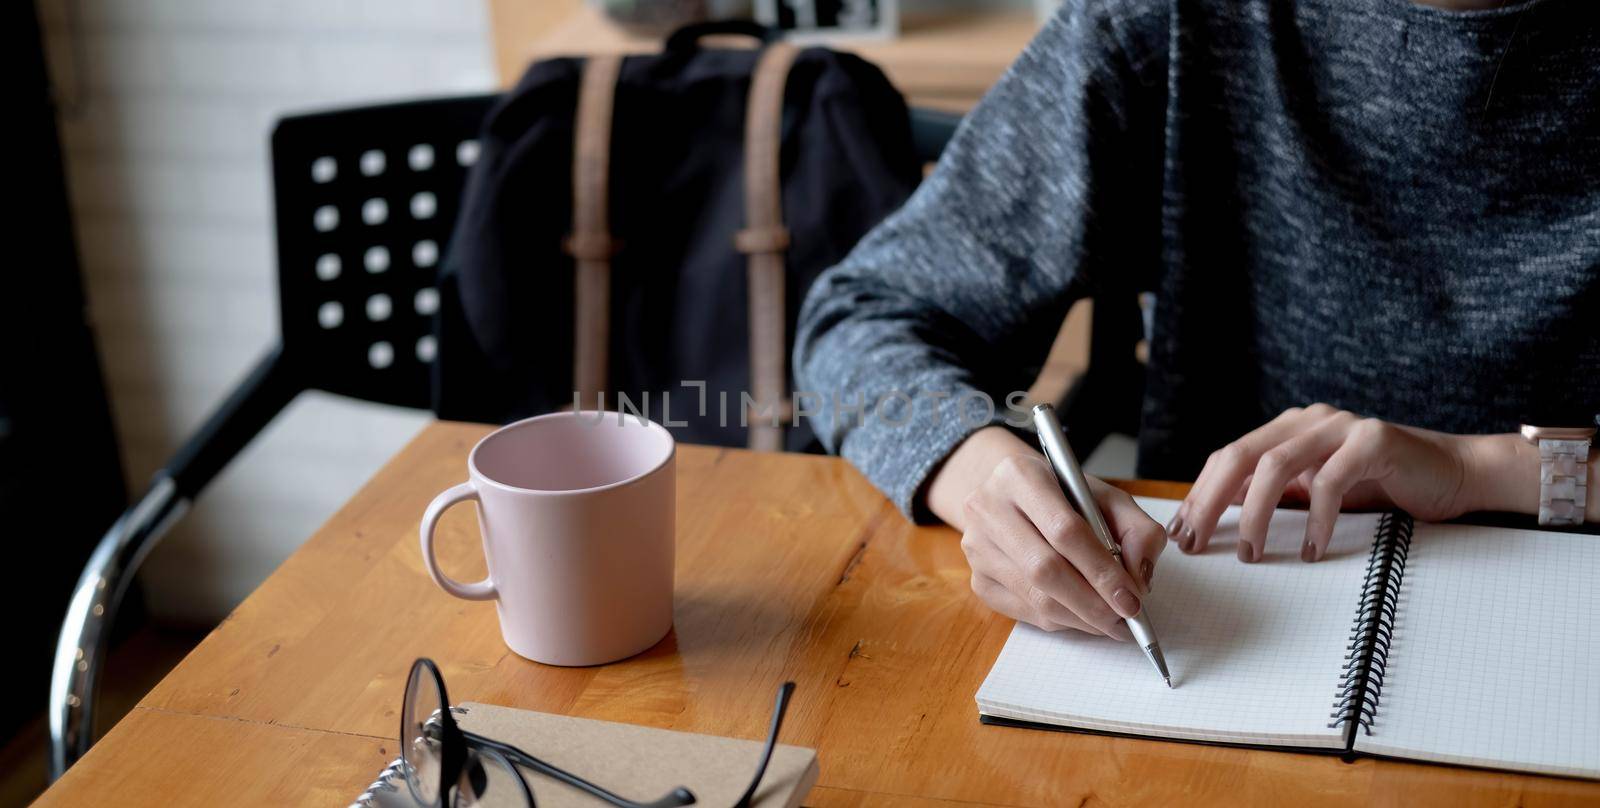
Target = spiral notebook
(1454,644)
(639,763)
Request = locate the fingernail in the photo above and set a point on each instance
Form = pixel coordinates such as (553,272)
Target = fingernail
(1190,543)
(1126,602)
(1309,553)
(1146,569)
(1175,527)
(1247,553)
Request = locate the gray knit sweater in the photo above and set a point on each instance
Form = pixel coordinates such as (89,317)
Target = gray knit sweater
(1380,205)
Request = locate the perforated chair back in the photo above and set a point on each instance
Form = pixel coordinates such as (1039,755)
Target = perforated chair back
(366,199)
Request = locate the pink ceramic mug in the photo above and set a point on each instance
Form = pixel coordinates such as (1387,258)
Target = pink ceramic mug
(576,511)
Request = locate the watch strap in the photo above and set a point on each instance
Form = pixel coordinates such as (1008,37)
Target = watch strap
(1563,481)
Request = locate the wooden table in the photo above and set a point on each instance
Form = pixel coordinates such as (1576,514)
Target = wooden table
(946,60)
(789,567)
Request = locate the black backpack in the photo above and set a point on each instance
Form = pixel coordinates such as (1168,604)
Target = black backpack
(623,234)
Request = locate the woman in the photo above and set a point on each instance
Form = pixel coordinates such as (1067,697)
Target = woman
(1379,218)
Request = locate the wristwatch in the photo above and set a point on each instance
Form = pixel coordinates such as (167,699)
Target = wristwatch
(1563,471)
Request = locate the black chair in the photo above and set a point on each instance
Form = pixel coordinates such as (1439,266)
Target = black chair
(365,201)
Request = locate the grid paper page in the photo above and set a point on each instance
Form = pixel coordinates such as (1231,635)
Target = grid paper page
(1495,652)
(1256,650)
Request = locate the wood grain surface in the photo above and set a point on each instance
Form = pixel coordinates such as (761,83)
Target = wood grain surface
(789,567)
(945,60)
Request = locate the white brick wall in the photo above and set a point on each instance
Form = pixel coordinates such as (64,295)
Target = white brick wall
(167,106)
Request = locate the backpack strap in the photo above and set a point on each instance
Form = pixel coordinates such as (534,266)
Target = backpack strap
(590,243)
(765,240)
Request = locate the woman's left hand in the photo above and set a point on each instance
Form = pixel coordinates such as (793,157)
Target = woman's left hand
(1335,460)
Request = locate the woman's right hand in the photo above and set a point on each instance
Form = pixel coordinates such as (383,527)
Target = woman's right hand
(1033,558)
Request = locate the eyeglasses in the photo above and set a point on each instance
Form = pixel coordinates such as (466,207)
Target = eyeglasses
(445,765)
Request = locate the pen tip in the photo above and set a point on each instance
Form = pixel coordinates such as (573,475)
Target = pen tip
(1169,681)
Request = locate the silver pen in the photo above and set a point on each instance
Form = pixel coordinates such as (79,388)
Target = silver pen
(1054,442)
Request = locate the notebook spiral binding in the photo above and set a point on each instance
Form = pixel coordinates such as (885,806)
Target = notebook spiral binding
(1361,685)
(392,778)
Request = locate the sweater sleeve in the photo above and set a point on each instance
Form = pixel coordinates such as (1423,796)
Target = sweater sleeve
(921,335)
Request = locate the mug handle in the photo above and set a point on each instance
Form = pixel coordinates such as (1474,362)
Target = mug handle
(482,590)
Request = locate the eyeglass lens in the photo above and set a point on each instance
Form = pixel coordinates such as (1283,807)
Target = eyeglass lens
(490,781)
(421,739)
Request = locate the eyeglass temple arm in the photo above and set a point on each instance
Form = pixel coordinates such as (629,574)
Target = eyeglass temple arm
(522,782)
(778,710)
(677,797)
